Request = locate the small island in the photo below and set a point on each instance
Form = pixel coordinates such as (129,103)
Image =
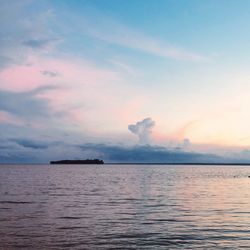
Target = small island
(88,161)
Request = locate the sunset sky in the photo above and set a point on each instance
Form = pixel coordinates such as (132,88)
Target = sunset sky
(119,79)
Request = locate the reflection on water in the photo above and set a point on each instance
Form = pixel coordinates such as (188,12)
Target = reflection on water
(124,206)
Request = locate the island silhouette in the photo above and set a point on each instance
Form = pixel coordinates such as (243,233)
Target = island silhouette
(87,161)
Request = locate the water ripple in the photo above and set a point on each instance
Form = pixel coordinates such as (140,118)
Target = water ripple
(124,207)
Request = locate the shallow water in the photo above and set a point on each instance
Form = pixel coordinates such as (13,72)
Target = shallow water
(124,207)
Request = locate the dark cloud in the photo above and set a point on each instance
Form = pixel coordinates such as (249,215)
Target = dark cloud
(31,143)
(30,150)
(142,129)
(6,144)
(40,43)
(25,104)
(49,73)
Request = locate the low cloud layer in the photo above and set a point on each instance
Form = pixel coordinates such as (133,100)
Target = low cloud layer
(149,154)
(142,129)
(42,151)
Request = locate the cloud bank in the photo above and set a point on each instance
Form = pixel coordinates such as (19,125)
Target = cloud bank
(42,151)
(149,154)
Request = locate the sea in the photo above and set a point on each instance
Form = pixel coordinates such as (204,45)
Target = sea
(124,207)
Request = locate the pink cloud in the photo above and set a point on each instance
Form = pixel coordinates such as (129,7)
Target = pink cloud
(69,73)
(8,118)
(85,97)
(21,78)
(78,96)
(174,137)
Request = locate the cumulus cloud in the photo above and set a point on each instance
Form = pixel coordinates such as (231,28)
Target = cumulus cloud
(186,143)
(142,129)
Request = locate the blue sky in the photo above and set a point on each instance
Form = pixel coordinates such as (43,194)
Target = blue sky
(76,73)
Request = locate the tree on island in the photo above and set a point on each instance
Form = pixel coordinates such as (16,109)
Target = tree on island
(88,161)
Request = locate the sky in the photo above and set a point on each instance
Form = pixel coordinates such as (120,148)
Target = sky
(135,80)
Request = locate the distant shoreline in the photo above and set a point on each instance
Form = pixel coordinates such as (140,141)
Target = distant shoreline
(139,163)
(187,163)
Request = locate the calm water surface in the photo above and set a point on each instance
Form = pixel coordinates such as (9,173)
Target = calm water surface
(124,207)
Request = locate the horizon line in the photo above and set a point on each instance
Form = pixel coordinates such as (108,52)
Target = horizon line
(140,163)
